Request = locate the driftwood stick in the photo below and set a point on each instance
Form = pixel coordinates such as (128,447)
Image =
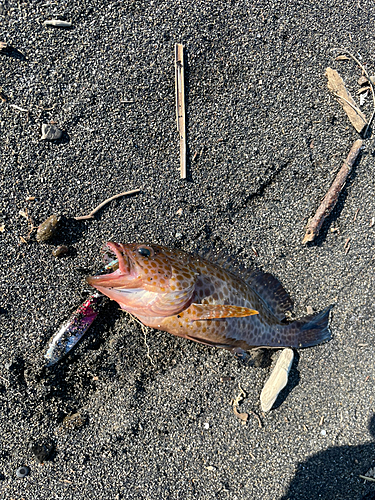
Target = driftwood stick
(332,195)
(96,209)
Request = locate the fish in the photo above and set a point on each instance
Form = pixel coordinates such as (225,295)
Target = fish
(189,296)
(71,332)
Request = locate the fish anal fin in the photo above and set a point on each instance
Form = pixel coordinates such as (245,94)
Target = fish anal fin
(198,312)
(271,291)
(237,351)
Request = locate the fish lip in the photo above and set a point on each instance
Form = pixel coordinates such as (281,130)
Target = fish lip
(121,275)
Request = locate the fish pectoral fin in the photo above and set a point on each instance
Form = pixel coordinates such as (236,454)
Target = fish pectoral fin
(216,311)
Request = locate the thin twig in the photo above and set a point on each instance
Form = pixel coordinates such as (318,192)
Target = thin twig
(346,51)
(367,478)
(260,425)
(357,110)
(332,195)
(87,129)
(354,59)
(18,108)
(93,212)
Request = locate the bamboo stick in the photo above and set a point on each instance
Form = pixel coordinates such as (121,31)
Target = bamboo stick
(180,105)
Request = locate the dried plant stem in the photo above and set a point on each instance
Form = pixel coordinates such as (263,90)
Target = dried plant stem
(337,86)
(367,478)
(145,330)
(357,110)
(260,425)
(346,51)
(18,108)
(332,195)
(96,209)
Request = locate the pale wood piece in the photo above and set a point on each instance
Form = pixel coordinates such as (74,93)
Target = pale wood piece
(337,86)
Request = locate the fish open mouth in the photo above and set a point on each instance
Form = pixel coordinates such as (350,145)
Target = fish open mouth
(117,269)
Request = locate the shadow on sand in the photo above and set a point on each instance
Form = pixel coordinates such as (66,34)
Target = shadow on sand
(334,474)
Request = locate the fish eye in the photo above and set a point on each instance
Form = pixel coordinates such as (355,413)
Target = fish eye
(145,251)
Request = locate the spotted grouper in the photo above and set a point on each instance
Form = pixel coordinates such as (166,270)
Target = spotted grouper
(190,297)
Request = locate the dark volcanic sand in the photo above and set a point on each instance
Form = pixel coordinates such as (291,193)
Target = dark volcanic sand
(270,139)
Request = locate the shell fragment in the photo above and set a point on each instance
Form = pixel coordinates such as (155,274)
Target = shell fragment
(57,23)
(277,381)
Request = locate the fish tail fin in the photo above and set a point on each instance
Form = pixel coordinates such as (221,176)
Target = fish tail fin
(310,330)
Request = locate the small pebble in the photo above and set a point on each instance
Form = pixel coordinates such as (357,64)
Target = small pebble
(206,425)
(22,471)
(309,310)
(41,452)
(211,468)
(57,23)
(178,236)
(323,432)
(362,81)
(372,79)
(73,421)
(50,132)
(59,251)
(47,229)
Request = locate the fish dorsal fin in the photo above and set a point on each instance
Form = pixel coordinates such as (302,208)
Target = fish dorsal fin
(270,290)
(198,312)
(264,284)
(219,258)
